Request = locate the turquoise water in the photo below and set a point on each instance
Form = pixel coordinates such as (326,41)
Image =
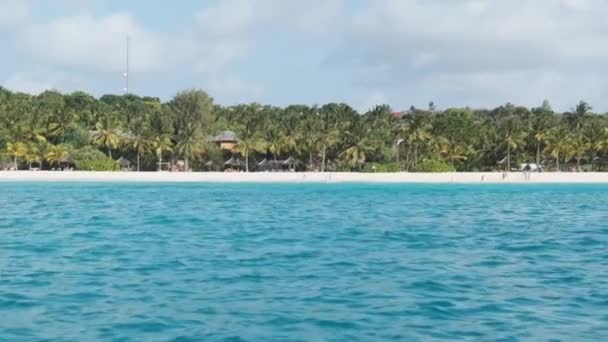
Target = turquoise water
(190,262)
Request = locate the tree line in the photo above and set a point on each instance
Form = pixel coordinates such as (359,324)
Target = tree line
(45,130)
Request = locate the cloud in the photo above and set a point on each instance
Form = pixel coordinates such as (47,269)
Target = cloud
(472,43)
(483,89)
(26,83)
(475,34)
(99,43)
(232,89)
(230,18)
(13,13)
(371,100)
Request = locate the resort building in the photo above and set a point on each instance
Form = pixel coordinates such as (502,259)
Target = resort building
(226,140)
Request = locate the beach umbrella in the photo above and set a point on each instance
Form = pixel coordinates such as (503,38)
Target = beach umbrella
(209,164)
(290,163)
(123,162)
(68,160)
(233,162)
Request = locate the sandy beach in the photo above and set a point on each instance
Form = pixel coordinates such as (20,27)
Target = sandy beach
(304,177)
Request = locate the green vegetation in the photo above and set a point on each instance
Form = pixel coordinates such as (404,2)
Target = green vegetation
(50,129)
(431,165)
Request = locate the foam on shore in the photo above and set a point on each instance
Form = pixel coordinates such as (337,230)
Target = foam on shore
(304,177)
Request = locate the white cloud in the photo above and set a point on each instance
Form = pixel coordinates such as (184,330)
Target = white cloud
(99,43)
(485,51)
(27,84)
(13,13)
(232,89)
(246,17)
(373,99)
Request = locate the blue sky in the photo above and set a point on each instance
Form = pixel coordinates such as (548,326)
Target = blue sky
(480,53)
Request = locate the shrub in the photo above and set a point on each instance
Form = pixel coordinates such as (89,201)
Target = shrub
(433,165)
(76,137)
(91,159)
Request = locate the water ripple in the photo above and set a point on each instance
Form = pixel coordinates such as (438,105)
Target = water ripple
(176,262)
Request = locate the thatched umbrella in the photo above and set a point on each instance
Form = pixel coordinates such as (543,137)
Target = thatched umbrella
(68,161)
(123,163)
(263,165)
(290,163)
(210,164)
(233,162)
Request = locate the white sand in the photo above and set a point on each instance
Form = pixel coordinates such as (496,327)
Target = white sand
(328,177)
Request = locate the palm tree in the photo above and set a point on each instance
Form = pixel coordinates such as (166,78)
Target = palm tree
(451,150)
(418,131)
(248,144)
(308,136)
(248,122)
(595,135)
(539,125)
(578,146)
(577,117)
(106,135)
(141,144)
(271,137)
(359,144)
(161,144)
(16,150)
(33,155)
(513,136)
(329,129)
(35,134)
(190,144)
(56,154)
(288,126)
(558,143)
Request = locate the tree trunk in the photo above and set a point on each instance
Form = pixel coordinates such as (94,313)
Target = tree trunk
(508,157)
(137,161)
(557,160)
(187,164)
(416,154)
(160,162)
(309,160)
(323,159)
(110,153)
(538,153)
(246,161)
(397,152)
(578,162)
(15,161)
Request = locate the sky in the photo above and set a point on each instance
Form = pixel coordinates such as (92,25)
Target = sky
(477,53)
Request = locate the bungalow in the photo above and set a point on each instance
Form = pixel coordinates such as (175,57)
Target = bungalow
(226,140)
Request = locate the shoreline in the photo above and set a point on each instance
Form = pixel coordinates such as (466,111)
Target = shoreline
(306,177)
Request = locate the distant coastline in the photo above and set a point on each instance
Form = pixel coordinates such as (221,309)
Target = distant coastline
(305,177)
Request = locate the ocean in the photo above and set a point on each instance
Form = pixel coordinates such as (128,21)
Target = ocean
(303,262)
